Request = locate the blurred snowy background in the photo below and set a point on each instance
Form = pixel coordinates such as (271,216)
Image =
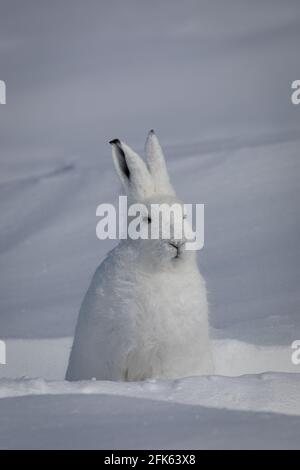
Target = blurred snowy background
(213,78)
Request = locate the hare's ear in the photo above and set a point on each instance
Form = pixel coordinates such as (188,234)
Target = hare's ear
(132,170)
(157,165)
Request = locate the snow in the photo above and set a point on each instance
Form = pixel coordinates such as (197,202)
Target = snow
(251,393)
(109,422)
(256,410)
(251,263)
(221,107)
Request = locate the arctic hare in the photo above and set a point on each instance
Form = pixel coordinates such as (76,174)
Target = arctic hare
(145,314)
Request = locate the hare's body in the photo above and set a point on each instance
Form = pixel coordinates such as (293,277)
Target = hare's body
(145,314)
(137,323)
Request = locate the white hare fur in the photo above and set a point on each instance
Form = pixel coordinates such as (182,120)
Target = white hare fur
(145,314)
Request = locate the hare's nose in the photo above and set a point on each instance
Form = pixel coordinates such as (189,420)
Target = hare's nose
(177,243)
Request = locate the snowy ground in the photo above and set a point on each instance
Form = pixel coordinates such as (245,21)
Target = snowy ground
(252,268)
(201,76)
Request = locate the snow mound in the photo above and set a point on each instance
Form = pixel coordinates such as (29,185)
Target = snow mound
(276,392)
(120,422)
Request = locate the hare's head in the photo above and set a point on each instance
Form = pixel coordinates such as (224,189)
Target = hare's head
(162,220)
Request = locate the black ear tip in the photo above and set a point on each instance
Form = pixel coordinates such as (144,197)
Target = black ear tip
(115,142)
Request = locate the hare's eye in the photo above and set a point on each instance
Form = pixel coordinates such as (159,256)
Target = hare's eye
(149,220)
